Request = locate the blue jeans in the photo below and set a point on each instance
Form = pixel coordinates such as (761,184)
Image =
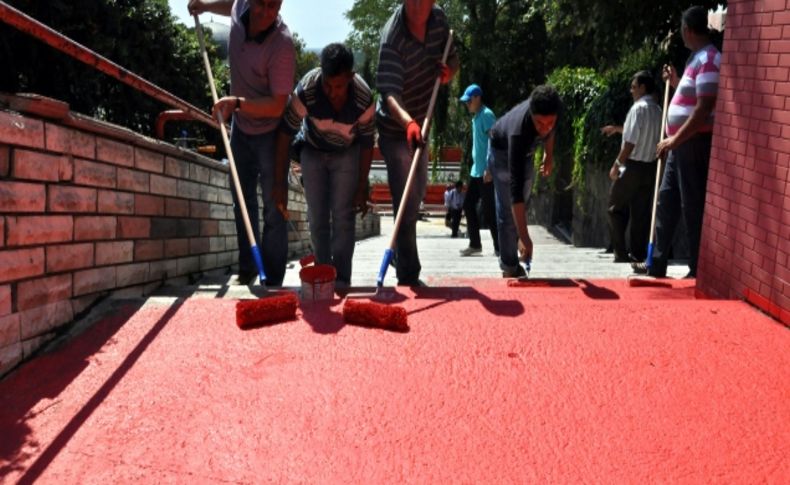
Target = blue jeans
(254,157)
(398,156)
(330,182)
(506,226)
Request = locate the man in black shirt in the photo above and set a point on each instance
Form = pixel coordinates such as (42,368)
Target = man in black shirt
(514,138)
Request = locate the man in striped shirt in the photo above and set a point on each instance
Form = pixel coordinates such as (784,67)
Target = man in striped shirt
(689,128)
(412,44)
(333,106)
(633,172)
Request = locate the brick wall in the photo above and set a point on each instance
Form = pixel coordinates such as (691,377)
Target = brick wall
(88,209)
(745,250)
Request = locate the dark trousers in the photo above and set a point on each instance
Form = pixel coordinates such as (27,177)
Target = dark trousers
(682,193)
(455,220)
(632,193)
(477,191)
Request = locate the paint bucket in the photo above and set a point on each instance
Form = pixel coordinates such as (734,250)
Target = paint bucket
(318,282)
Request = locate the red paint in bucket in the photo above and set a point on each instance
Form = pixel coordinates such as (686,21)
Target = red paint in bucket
(318,282)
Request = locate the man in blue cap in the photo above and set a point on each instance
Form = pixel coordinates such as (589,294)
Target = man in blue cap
(480,181)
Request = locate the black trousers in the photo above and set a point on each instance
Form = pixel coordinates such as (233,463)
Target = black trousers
(455,220)
(632,194)
(476,192)
(682,193)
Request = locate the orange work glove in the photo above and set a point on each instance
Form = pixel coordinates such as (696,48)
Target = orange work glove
(414,134)
(445,74)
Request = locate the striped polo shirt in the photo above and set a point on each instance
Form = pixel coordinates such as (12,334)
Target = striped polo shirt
(408,68)
(324,128)
(700,79)
(259,68)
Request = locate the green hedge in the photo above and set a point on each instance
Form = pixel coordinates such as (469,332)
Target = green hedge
(592,101)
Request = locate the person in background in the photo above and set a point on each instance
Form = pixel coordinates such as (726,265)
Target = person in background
(454,201)
(481,186)
(633,172)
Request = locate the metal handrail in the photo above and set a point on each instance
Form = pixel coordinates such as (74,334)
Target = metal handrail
(53,38)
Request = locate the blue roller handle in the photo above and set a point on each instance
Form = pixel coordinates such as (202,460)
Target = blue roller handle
(385,262)
(256,255)
(649,260)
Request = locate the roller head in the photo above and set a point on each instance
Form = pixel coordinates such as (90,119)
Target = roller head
(376,315)
(266,311)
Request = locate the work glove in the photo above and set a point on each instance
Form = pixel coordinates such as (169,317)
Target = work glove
(414,135)
(445,74)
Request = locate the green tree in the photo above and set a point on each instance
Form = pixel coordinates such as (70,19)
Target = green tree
(140,35)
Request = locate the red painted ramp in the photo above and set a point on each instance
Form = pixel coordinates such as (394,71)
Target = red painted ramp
(573,382)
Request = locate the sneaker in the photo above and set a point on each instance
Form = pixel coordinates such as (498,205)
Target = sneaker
(518,273)
(639,267)
(470,251)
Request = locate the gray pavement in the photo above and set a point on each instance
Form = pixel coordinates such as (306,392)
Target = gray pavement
(442,264)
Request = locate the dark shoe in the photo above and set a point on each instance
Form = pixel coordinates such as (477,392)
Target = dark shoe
(622,259)
(690,276)
(639,268)
(519,273)
(470,251)
(244,278)
(411,282)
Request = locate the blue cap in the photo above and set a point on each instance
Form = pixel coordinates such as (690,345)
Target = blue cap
(472,90)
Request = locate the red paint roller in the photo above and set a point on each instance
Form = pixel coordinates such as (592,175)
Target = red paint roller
(266,311)
(375,315)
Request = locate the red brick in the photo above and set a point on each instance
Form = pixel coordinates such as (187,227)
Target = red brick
(42,291)
(10,332)
(94,280)
(31,230)
(770,5)
(94,174)
(114,152)
(209,193)
(777,74)
(188,265)
(779,46)
(44,319)
(176,207)
(2,232)
(32,165)
(218,178)
(163,185)
(199,210)
(149,205)
(199,173)
(5,301)
(90,228)
(112,202)
(132,180)
(782,18)
(176,168)
(67,257)
(148,160)
(198,245)
(16,129)
(114,252)
(73,142)
(148,250)
(22,263)
(188,190)
(22,197)
(71,199)
(5,160)
(134,227)
(176,247)
(209,228)
(132,274)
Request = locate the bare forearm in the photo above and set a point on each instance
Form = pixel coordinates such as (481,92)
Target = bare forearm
(264,107)
(520,219)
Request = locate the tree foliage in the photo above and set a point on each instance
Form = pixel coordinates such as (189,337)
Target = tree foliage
(140,35)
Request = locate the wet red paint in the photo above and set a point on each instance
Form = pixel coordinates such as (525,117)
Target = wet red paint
(275,308)
(321,273)
(375,315)
(588,382)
